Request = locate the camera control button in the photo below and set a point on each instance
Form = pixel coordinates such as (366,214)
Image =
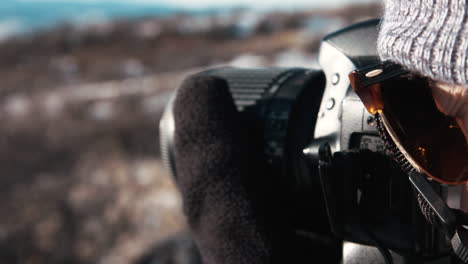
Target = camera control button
(335,79)
(330,104)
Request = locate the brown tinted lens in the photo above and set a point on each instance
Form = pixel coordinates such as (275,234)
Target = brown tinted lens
(432,140)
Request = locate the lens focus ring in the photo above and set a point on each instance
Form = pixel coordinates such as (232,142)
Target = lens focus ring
(250,85)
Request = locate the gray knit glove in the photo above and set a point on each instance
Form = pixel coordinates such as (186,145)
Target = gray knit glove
(427,36)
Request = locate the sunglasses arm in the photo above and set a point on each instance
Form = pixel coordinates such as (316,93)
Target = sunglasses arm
(447,218)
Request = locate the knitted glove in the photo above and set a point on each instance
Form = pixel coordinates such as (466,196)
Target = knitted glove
(427,36)
(211,174)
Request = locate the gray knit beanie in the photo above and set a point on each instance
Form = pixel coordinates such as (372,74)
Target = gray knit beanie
(427,36)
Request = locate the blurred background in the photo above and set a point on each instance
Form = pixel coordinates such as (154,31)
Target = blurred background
(82,87)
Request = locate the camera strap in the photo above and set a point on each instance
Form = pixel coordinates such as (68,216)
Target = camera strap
(446,218)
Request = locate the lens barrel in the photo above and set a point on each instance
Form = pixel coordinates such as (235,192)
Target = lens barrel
(272,99)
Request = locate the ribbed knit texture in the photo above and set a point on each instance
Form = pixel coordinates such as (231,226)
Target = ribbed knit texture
(427,36)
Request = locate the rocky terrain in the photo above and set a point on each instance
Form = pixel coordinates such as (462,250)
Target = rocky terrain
(82,180)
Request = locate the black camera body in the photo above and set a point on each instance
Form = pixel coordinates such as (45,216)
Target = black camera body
(325,148)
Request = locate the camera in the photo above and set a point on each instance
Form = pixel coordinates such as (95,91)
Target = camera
(327,152)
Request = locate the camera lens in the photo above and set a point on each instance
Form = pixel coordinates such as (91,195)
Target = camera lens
(281,105)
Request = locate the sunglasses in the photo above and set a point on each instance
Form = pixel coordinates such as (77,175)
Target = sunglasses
(432,143)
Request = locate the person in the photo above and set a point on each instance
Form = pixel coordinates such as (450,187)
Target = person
(431,38)
(233,215)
